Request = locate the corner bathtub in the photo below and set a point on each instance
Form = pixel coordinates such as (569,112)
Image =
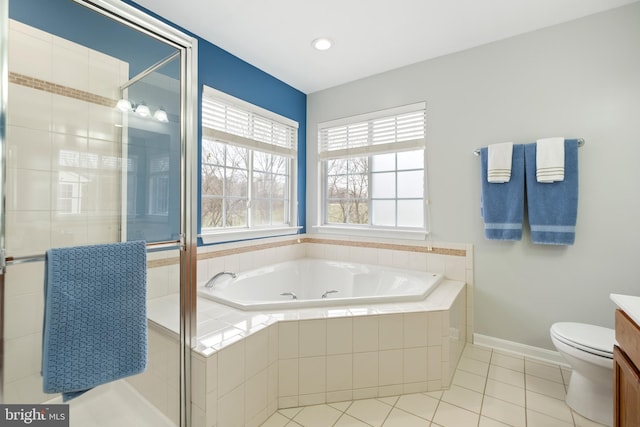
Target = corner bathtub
(309,278)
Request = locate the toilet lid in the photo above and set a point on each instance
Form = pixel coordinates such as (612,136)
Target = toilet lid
(590,338)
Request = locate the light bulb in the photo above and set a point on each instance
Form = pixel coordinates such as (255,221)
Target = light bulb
(123,105)
(161,115)
(142,110)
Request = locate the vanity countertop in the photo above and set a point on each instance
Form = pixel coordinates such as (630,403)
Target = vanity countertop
(629,304)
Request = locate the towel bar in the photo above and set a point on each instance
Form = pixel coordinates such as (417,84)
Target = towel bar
(476,152)
(33,258)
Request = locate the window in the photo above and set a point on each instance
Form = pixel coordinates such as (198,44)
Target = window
(373,171)
(248,170)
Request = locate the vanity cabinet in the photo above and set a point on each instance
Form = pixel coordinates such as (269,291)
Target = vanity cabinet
(626,372)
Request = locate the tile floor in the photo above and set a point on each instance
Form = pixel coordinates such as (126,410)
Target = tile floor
(489,389)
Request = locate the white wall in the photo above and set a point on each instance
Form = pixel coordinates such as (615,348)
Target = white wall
(579,79)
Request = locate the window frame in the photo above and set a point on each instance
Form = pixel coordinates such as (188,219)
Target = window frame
(226,234)
(369,150)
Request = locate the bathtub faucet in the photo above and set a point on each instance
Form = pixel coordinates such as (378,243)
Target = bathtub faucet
(328,292)
(212,281)
(289,294)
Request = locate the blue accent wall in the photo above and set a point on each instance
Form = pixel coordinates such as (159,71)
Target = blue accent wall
(217,68)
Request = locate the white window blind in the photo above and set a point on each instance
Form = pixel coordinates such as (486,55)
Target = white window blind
(395,130)
(248,126)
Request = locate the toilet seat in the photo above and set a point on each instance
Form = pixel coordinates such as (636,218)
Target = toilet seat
(592,339)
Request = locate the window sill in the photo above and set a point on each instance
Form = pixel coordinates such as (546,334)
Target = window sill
(224,236)
(372,232)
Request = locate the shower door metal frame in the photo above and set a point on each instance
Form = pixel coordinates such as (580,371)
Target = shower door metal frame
(188,48)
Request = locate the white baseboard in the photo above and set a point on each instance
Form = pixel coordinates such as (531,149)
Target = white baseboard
(537,353)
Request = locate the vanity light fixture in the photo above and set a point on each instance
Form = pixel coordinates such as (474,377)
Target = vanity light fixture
(322,43)
(142,110)
(161,115)
(124,105)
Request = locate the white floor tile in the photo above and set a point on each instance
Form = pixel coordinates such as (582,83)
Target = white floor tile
(452,416)
(400,418)
(348,421)
(506,392)
(505,412)
(488,422)
(478,353)
(371,411)
(505,375)
(473,366)
(507,361)
(468,380)
(543,370)
(418,404)
(340,406)
(276,420)
(536,419)
(581,421)
(464,398)
(546,387)
(548,405)
(317,416)
(290,412)
(390,400)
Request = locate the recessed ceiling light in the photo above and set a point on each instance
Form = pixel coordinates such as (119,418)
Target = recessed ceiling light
(322,43)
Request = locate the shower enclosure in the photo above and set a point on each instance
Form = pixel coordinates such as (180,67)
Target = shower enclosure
(98,137)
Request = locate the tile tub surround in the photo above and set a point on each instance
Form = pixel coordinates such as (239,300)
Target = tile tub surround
(247,364)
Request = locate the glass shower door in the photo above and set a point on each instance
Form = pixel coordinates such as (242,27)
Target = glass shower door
(95,143)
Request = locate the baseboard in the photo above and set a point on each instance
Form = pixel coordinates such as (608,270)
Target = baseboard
(537,353)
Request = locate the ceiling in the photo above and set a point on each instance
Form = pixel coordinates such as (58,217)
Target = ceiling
(370,36)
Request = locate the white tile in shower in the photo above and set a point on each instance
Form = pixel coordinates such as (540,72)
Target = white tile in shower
(365,333)
(19,315)
(70,64)
(30,108)
(30,52)
(22,279)
(28,148)
(70,116)
(391,331)
(28,190)
(20,355)
(339,335)
(69,231)
(104,75)
(102,123)
(312,338)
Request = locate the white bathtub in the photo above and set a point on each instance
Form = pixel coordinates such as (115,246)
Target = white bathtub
(310,278)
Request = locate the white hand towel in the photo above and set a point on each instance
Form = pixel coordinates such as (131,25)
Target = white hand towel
(499,162)
(550,160)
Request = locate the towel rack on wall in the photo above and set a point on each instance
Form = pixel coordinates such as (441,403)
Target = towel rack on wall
(580,144)
(33,258)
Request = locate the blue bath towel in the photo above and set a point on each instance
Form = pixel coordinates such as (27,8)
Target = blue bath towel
(553,207)
(95,323)
(503,203)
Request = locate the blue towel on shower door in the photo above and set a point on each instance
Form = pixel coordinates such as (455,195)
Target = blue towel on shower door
(95,323)
(502,204)
(553,207)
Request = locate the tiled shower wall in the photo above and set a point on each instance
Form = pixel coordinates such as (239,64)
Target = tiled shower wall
(63,178)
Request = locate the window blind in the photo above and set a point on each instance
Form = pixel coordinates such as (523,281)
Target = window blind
(395,130)
(248,127)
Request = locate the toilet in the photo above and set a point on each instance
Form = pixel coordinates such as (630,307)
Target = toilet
(589,351)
